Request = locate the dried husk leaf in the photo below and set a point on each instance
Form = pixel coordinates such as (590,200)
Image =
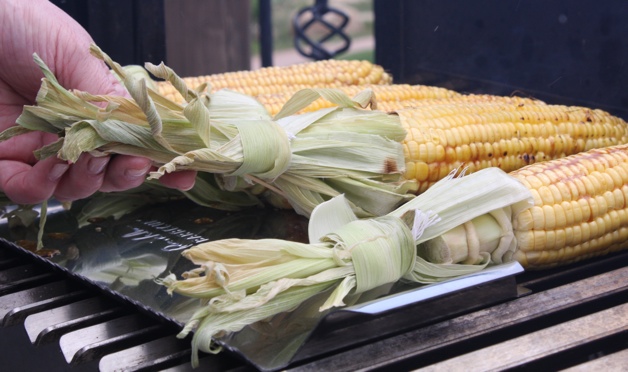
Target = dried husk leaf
(302,159)
(263,277)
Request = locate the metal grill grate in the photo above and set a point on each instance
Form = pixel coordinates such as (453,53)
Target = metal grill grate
(575,316)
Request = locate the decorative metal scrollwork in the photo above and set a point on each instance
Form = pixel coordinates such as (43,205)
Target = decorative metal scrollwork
(314,18)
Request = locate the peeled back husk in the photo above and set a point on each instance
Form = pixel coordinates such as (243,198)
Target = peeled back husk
(241,282)
(302,159)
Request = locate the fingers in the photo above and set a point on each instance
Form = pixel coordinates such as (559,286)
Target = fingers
(183,180)
(74,66)
(90,174)
(82,179)
(25,184)
(125,172)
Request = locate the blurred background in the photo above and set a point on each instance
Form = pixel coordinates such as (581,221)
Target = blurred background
(560,51)
(359,29)
(197,37)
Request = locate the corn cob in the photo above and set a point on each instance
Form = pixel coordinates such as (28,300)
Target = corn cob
(269,80)
(506,132)
(388,97)
(447,130)
(471,131)
(502,217)
(579,211)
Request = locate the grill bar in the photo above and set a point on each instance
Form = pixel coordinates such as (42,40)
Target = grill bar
(66,323)
(613,362)
(48,325)
(482,328)
(97,340)
(16,306)
(23,276)
(543,343)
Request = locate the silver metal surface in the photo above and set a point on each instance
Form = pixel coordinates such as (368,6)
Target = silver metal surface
(69,321)
(73,344)
(124,256)
(491,325)
(151,354)
(41,326)
(432,291)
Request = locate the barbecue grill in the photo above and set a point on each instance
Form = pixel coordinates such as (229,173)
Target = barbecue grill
(89,302)
(92,304)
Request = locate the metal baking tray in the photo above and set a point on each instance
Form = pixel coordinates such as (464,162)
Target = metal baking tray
(123,256)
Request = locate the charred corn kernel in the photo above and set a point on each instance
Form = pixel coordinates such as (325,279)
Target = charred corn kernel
(576,225)
(507,132)
(270,80)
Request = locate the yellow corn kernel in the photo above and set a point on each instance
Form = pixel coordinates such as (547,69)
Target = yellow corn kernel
(507,132)
(388,97)
(581,225)
(270,80)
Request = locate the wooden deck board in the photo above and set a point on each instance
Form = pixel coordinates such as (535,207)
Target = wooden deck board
(525,349)
(411,346)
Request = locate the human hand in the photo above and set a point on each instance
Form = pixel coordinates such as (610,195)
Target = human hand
(37,26)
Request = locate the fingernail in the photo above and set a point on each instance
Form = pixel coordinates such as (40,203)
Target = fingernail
(135,173)
(57,171)
(189,186)
(97,165)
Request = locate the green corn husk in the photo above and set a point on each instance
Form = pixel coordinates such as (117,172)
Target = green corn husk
(303,160)
(241,282)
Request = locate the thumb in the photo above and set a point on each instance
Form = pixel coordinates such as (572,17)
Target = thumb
(25,184)
(74,66)
(84,72)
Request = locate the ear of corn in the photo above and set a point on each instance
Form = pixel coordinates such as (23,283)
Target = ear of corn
(451,131)
(580,208)
(447,130)
(579,211)
(346,256)
(271,80)
(300,161)
(477,132)
(543,215)
(388,97)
